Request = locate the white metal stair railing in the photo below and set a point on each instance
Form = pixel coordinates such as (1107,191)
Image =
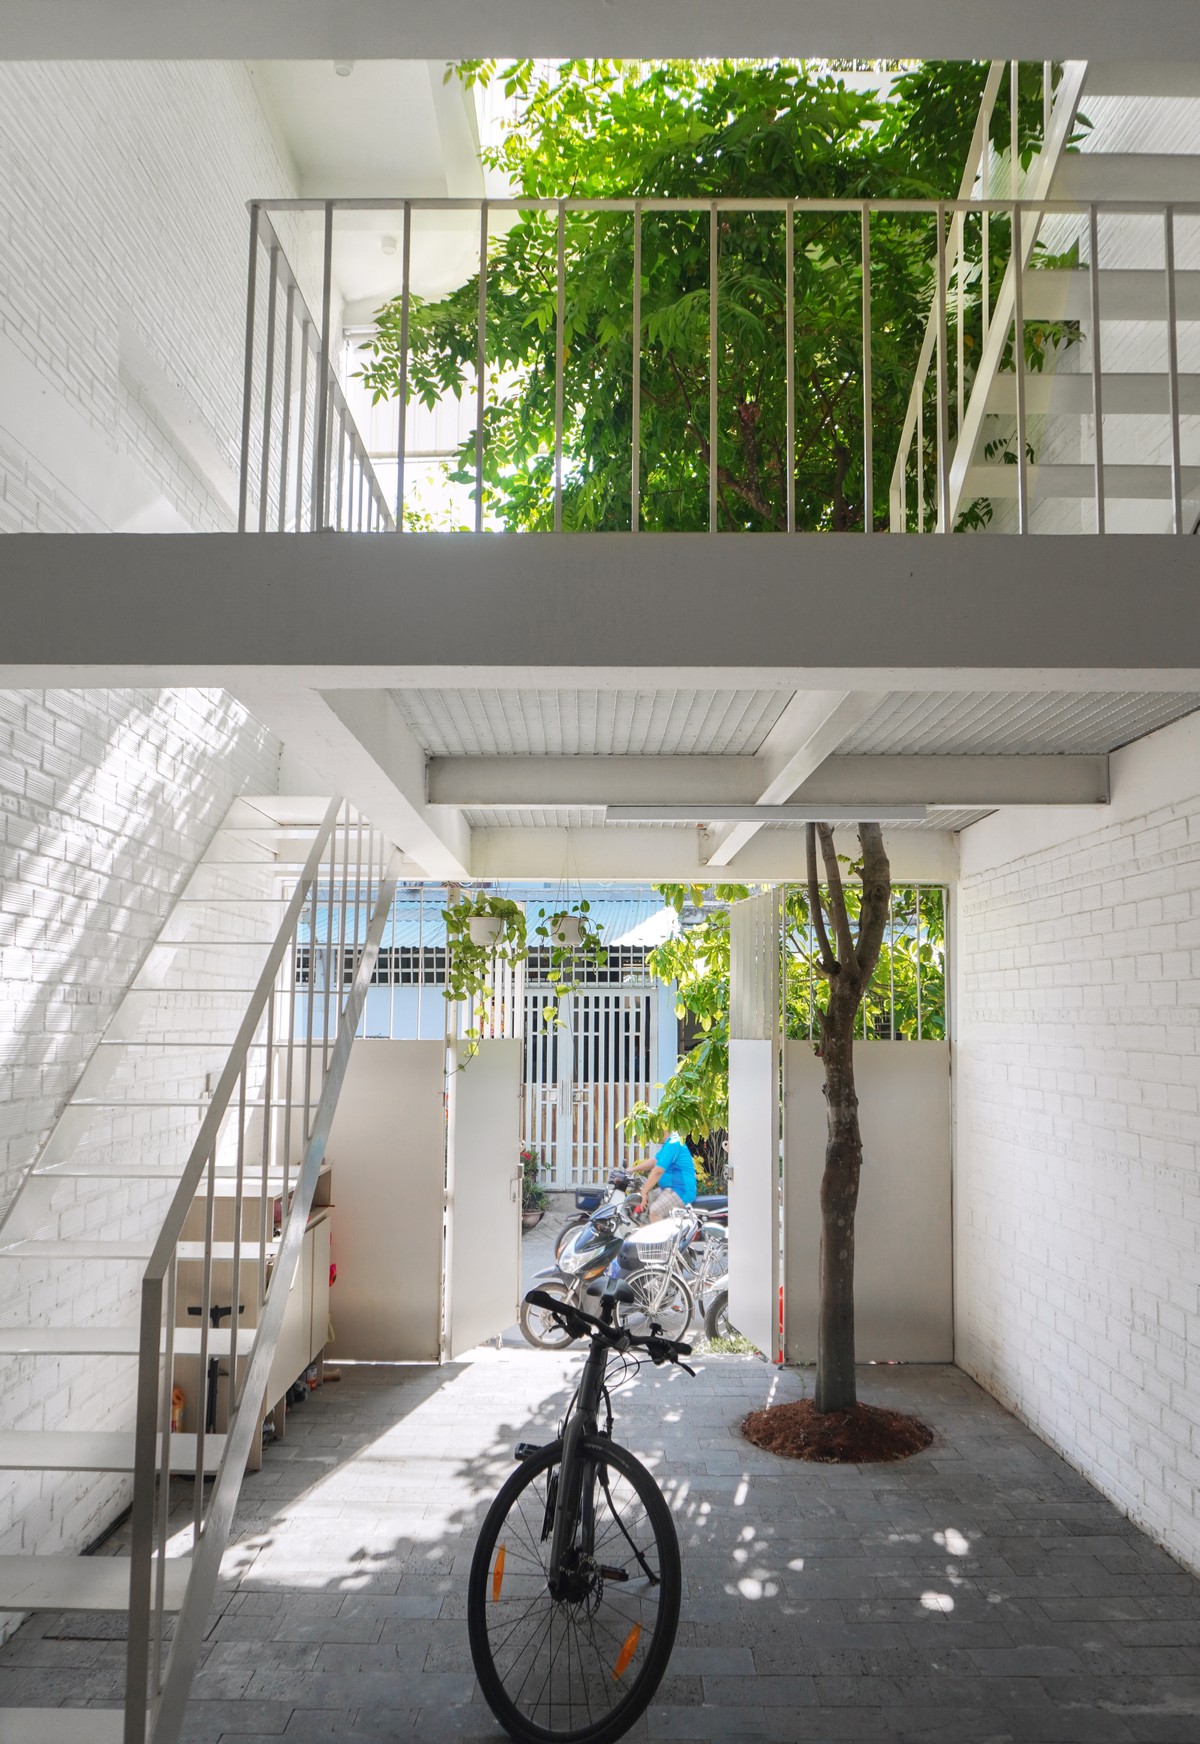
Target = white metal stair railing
(156,1692)
(1069,195)
(124,1128)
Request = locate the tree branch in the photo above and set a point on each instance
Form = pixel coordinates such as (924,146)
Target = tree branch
(876,898)
(837,898)
(829,963)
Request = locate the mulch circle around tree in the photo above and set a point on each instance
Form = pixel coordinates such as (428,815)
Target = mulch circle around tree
(859,1435)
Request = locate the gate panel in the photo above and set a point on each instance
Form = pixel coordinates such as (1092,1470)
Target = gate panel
(483,1196)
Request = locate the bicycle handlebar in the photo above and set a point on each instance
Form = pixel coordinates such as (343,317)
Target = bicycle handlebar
(577,1322)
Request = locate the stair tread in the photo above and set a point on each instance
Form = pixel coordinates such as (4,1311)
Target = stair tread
(1142,79)
(94,1450)
(1146,482)
(79,1583)
(1109,175)
(109,1340)
(1126,293)
(63,1726)
(1123,391)
(139,1248)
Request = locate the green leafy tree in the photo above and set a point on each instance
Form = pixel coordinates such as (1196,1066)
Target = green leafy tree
(696,130)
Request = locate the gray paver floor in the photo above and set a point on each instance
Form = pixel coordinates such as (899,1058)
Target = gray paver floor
(981,1591)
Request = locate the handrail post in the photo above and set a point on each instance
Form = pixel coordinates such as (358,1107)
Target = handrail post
(481,364)
(248,380)
(714,244)
(1018,272)
(636,394)
(402,395)
(867,386)
(141,1552)
(320,491)
(1097,363)
(560,315)
(789,317)
(1173,369)
(264,470)
(941,428)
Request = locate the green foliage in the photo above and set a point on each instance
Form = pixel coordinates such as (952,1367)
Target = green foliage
(697,130)
(567,953)
(695,1099)
(533,1195)
(470,967)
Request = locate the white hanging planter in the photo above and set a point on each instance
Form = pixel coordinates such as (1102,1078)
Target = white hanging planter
(567,929)
(486,929)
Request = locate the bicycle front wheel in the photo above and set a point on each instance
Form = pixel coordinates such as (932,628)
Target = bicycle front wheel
(578,1669)
(660,1298)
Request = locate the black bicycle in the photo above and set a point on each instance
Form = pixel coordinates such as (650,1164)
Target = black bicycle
(573,1598)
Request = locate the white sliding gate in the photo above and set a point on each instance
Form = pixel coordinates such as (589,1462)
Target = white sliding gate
(755,1027)
(583,1074)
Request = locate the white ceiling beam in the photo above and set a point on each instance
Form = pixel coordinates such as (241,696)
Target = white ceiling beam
(360,744)
(811,728)
(447,29)
(532,783)
(670,853)
(340,611)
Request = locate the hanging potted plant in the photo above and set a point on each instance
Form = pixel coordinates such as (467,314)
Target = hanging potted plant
(574,941)
(484,931)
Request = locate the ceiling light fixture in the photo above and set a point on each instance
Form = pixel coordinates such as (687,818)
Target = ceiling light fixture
(387,244)
(707,812)
(343,69)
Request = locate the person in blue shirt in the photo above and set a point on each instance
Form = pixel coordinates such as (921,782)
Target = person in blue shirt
(670,1178)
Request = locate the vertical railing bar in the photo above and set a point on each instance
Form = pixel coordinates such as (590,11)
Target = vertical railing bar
(205,1311)
(960,298)
(248,379)
(1014,131)
(141,1550)
(402,389)
(1173,369)
(343,496)
(358,884)
(560,315)
(239,1193)
(289,1074)
(328,955)
(1047,98)
(164,1484)
(314,911)
(789,305)
(921,463)
(264,464)
(268,1095)
(636,396)
(713,408)
(942,436)
(985,245)
(1097,362)
(920,1019)
(420,953)
(1018,265)
(289,320)
(342,914)
(302,425)
(481,363)
(892,964)
(321,439)
(867,382)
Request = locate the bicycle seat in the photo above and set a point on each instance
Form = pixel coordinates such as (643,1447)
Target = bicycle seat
(618,1292)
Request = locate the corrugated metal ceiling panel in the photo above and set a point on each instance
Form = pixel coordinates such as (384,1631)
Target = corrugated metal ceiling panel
(570,723)
(1013,721)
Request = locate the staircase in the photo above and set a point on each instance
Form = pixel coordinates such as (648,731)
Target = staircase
(1106,241)
(206,1103)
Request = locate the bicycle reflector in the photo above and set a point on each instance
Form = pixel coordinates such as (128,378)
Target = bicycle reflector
(498,1574)
(627,1652)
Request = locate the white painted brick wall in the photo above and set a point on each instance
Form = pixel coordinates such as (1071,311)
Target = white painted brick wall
(107,800)
(1078,1130)
(123,190)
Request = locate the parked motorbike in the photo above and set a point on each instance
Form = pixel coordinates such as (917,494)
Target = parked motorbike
(609,1242)
(714,1207)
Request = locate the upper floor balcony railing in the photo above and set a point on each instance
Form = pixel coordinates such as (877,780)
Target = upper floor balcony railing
(752,364)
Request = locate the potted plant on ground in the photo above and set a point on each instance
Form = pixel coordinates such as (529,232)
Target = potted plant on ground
(533,1195)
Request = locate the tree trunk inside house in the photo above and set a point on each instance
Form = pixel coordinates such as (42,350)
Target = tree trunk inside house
(848,964)
(835,1387)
